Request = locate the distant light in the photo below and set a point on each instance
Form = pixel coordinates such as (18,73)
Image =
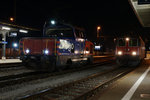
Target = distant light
(11,19)
(98,28)
(23,31)
(5,28)
(53,22)
(15,45)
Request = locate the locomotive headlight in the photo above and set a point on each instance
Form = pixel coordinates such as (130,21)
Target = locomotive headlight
(134,53)
(27,51)
(119,53)
(46,52)
(86,52)
(127,38)
(76,52)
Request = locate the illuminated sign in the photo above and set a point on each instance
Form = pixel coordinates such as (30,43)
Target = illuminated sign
(97,47)
(23,31)
(143,1)
(3,42)
(13,34)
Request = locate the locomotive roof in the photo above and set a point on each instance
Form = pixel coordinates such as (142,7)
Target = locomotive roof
(131,35)
(62,25)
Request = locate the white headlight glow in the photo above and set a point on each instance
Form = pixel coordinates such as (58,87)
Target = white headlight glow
(133,53)
(86,52)
(119,53)
(127,39)
(27,51)
(46,51)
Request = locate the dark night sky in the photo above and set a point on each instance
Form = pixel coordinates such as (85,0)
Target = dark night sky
(114,16)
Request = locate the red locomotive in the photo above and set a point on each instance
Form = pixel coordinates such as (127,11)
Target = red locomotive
(61,45)
(130,50)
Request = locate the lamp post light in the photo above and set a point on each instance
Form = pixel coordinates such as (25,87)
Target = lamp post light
(53,22)
(11,19)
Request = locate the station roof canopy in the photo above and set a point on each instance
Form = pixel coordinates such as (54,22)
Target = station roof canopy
(142,11)
(16,27)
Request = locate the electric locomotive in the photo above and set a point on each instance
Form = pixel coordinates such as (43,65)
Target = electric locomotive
(60,46)
(129,50)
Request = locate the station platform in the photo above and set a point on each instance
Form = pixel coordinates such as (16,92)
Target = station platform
(8,61)
(133,86)
(103,56)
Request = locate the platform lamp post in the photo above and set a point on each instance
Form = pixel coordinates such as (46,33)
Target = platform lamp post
(98,34)
(4,32)
(98,39)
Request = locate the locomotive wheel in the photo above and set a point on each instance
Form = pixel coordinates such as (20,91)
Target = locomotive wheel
(69,64)
(135,63)
(121,63)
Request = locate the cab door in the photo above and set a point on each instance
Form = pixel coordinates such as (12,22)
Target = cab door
(80,42)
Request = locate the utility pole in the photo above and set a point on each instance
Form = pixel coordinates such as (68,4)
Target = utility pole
(98,34)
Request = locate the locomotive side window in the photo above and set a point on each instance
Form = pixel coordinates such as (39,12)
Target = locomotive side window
(91,49)
(60,32)
(133,42)
(79,34)
(121,42)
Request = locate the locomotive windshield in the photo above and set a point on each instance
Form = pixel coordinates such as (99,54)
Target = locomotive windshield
(61,32)
(133,42)
(121,42)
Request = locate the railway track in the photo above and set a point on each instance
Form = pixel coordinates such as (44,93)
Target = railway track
(5,66)
(12,72)
(79,89)
(17,79)
(10,85)
(34,75)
